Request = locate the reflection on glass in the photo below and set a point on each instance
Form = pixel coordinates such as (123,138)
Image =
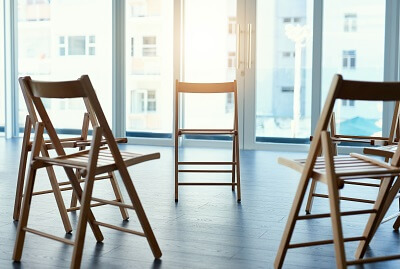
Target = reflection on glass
(61,40)
(353,45)
(209,56)
(149,66)
(283,69)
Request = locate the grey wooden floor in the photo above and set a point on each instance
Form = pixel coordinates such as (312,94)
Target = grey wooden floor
(207,228)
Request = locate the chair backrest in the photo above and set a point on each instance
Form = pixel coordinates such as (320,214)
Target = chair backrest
(33,115)
(223,87)
(80,88)
(350,90)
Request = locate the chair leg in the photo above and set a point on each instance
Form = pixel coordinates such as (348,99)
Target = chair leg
(336,223)
(176,167)
(24,215)
(21,169)
(384,199)
(291,222)
(233,162)
(57,195)
(310,198)
(74,199)
(151,239)
(237,155)
(396,224)
(23,219)
(118,195)
(82,222)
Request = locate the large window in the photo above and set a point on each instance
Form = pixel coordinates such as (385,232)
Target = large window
(209,56)
(149,67)
(2,93)
(283,74)
(62,40)
(358,56)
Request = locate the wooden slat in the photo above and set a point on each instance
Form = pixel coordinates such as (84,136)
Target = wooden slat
(324,242)
(346,213)
(206,163)
(50,236)
(204,171)
(206,184)
(119,228)
(112,202)
(345,198)
(373,259)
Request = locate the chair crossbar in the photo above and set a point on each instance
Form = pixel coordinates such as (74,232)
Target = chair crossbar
(204,171)
(345,198)
(373,259)
(207,183)
(325,242)
(113,202)
(49,236)
(110,226)
(346,213)
(206,163)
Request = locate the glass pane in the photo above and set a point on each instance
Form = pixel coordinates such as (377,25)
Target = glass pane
(353,45)
(2,93)
(149,67)
(209,56)
(283,69)
(53,37)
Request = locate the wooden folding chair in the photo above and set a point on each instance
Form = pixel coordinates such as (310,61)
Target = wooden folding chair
(80,143)
(101,158)
(373,141)
(335,171)
(208,88)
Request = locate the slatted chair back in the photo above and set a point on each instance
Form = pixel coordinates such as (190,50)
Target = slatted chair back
(188,87)
(350,90)
(81,88)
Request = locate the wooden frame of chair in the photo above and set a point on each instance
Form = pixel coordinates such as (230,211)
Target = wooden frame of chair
(372,140)
(97,160)
(226,87)
(334,171)
(80,143)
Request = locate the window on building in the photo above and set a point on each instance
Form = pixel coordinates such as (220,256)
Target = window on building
(151,101)
(229,103)
(350,22)
(295,20)
(348,102)
(287,54)
(132,47)
(231,59)
(349,59)
(76,45)
(287,89)
(92,45)
(61,42)
(232,25)
(143,101)
(149,46)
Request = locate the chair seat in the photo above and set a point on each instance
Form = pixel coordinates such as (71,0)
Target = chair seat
(384,151)
(207,131)
(353,166)
(105,161)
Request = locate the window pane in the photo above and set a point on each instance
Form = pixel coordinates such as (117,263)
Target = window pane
(149,67)
(2,93)
(361,46)
(209,43)
(76,45)
(50,35)
(283,78)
